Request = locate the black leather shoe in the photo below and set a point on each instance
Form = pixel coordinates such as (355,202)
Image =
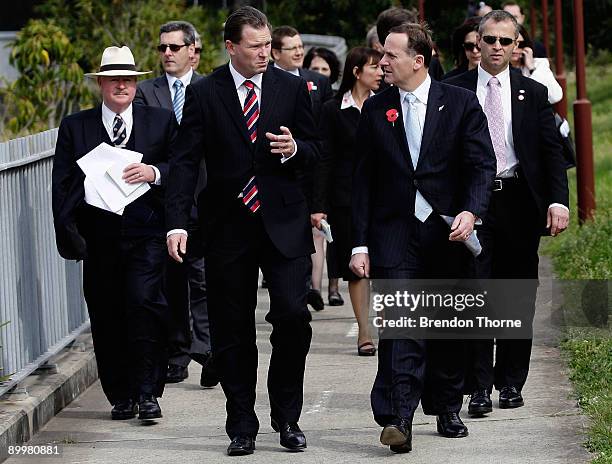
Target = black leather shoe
(510,397)
(124,409)
(315,300)
(398,436)
(201,358)
(209,377)
(480,404)
(291,437)
(335,299)
(241,445)
(450,425)
(148,408)
(176,373)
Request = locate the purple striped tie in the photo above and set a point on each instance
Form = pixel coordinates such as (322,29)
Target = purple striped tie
(495,117)
(251,110)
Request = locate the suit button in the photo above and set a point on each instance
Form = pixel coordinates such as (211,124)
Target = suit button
(415,182)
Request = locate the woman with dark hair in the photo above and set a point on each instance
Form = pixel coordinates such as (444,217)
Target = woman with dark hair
(537,69)
(465,47)
(332,190)
(323,61)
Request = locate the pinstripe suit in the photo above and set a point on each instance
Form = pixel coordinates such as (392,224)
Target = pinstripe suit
(455,171)
(276,239)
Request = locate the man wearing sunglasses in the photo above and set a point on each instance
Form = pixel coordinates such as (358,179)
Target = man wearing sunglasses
(529,199)
(185,286)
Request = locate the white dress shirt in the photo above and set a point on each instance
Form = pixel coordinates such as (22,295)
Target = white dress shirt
(185,79)
(349,102)
(108,119)
(295,72)
(482,89)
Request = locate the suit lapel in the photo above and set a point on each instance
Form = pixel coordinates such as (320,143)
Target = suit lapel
(269,94)
(229,98)
(162,92)
(93,127)
(435,100)
(517,103)
(139,124)
(398,127)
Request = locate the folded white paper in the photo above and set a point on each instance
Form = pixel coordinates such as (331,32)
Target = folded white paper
(472,243)
(116,174)
(101,190)
(326,231)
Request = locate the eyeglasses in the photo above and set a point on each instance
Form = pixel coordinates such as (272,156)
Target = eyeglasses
(503,41)
(293,49)
(521,44)
(470,46)
(173,47)
(197,50)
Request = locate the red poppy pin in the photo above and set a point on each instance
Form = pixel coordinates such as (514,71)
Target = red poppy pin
(392,115)
(311,86)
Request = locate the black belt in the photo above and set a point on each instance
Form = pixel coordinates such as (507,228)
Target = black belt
(504,182)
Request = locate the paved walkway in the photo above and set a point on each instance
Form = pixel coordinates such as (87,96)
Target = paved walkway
(336,417)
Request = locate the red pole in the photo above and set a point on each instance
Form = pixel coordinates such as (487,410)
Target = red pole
(422,10)
(560,107)
(582,125)
(545,37)
(533,20)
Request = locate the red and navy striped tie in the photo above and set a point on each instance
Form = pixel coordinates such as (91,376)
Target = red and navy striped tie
(251,110)
(251,115)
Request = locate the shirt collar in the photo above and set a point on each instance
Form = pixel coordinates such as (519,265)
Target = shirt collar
(109,115)
(421,92)
(295,72)
(348,101)
(484,77)
(185,78)
(239,78)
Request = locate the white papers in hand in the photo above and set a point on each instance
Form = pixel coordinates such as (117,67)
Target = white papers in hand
(326,231)
(472,243)
(101,190)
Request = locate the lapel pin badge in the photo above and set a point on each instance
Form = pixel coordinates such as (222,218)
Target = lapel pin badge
(521,97)
(440,109)
(521,91)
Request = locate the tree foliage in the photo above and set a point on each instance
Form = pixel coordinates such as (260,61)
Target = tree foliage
(50,85)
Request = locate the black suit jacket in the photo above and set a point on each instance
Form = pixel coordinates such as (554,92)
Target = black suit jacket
(319,95)
(153,131)
(536,139)
(454,173)
(155,91)
(213,128)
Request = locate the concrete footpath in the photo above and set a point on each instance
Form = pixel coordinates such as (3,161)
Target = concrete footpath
(336,417)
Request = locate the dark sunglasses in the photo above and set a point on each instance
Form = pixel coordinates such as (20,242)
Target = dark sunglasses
(503,41)
(173,47)
(470,46)
(197,50)
(521,44)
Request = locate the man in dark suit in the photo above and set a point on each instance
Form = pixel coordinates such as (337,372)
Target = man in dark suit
(288,55)
(530,198)
(123,254)
(424,151)
(254,216)
(185,282)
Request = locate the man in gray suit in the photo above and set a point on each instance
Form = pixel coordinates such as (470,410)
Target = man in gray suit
(186,285)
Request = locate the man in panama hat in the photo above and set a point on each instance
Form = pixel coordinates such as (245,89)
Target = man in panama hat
(123,253)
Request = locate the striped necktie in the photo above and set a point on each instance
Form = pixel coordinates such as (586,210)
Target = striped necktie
(251,110)
(178,100)
(119,131)
(251,115)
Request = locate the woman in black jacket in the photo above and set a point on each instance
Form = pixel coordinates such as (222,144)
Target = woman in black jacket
(332,196)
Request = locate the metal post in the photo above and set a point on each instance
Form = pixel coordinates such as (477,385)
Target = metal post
(422,10)
(582,125)
(545,36)
(533,19)
(560,107)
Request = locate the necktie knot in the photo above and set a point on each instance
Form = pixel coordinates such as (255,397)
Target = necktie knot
(411,98)
(249,84)
(493,81)
(178,84)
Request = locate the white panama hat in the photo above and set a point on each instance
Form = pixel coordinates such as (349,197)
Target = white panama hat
(117,62)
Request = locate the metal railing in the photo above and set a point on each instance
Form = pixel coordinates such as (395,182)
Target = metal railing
(40,293)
